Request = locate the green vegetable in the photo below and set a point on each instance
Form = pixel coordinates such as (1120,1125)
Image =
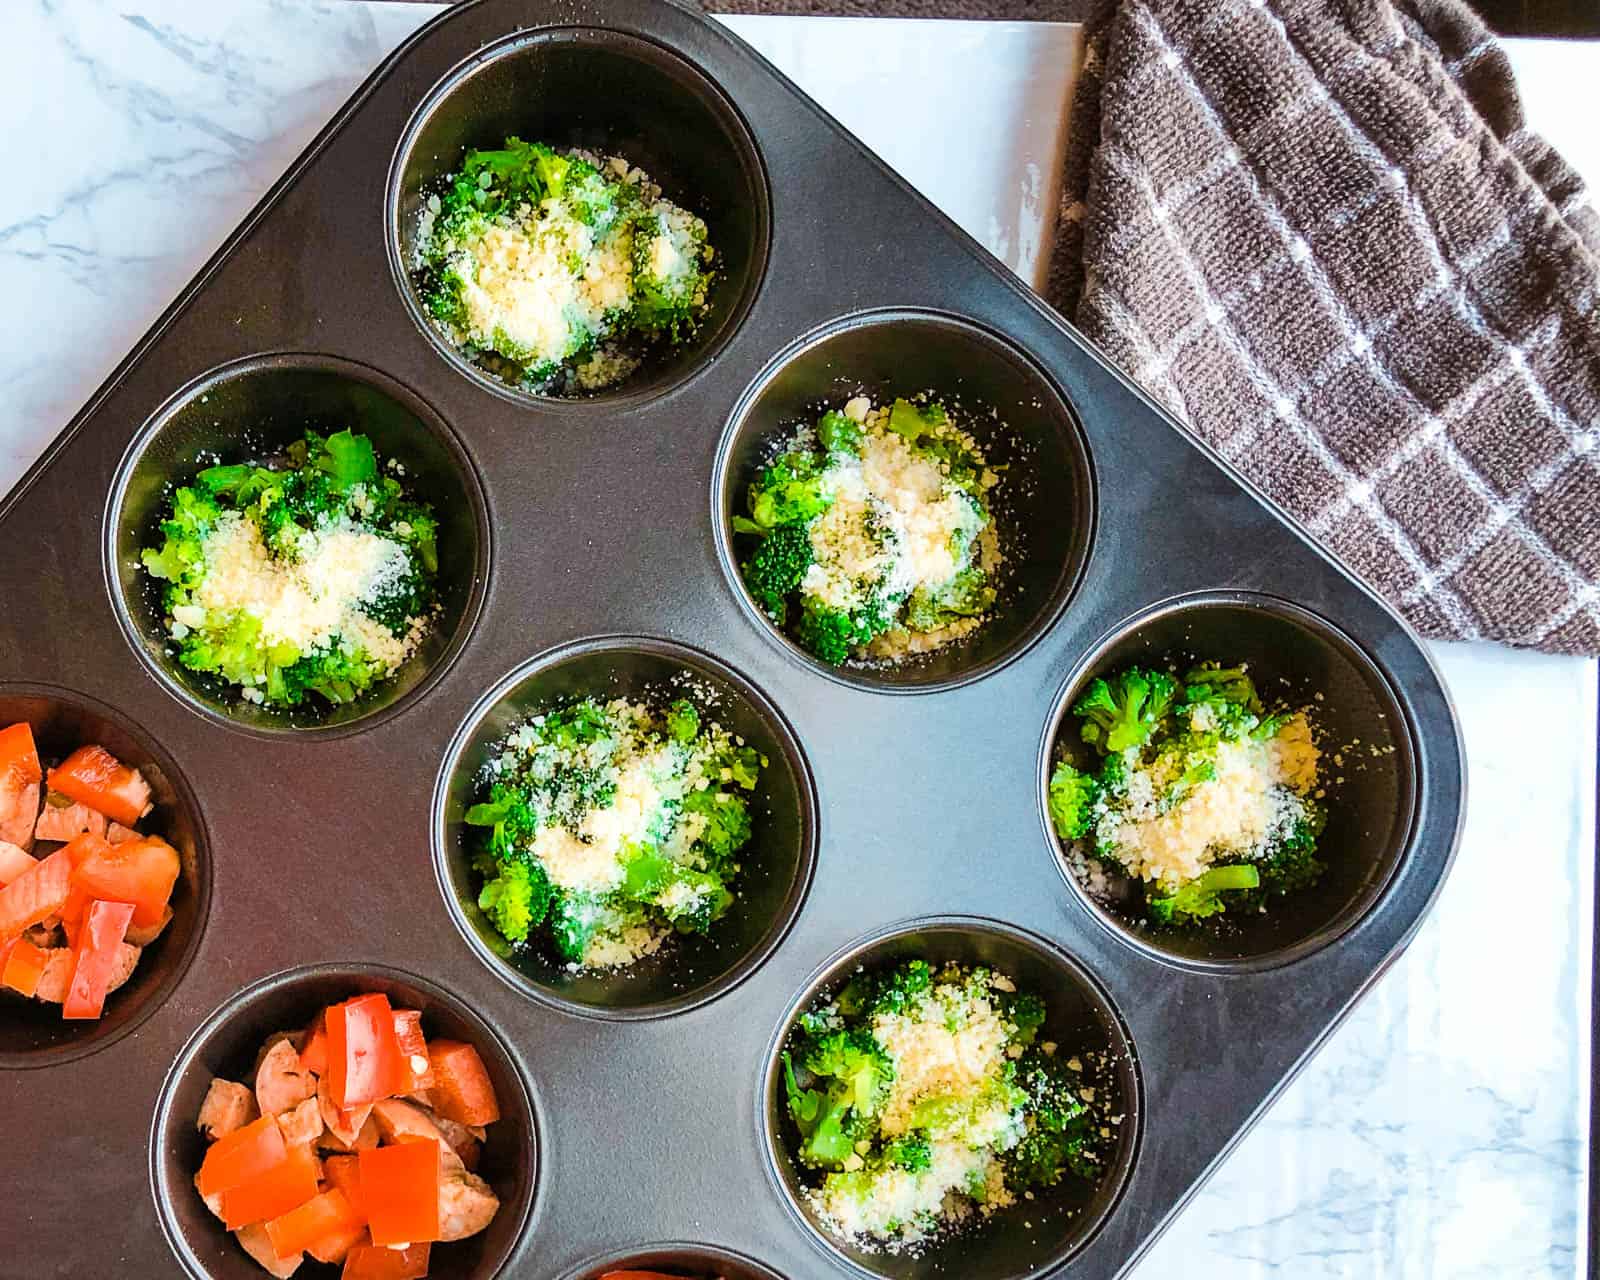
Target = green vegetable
(672,873)
(870,583)
(1121,712)
(775,568)
(1174,737)
(588,220)
(1072,798)
(1202,896)
(332,481)
(1018,1122)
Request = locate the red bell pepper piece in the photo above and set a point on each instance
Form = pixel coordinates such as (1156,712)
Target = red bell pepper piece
(375,1262)
(237,1157)
(274,1191)
(344,1172)
(141,872)
(19,759)
(318,1225)
(400,1191)
(93,776)
(36,894)
(314,1056)
(461,1089)
(23,967)
(637,1275)
(94,957)
(364,1060)
(413,1048)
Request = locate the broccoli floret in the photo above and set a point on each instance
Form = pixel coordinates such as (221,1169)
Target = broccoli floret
(1060,1137)
(833,634)
(913,1153)
(1123,710)
(576,919)
(967,595)
(788,491)
(895,990)
(1072,798)
(1027,1013)
(516,900)
(683,721)
(727,824)
(776,568)
(858,1075)
(839,433)
(1293,864)
(1211,682)
(1202,896)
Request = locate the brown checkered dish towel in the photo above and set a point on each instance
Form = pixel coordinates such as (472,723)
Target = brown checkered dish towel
(1320,234)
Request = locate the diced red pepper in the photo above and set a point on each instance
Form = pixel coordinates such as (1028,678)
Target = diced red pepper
(364,1060)
(413,1048)
(375,1262)
(274,1191)
(461,1089)
(237,1157)
(94,958)
(141,872)
(314,1056)
(400,1191)
(344,1172)
(36,894)
(14,863)
(24,966)
(93,776)
(637,1275)
(19,759)
(316,1226)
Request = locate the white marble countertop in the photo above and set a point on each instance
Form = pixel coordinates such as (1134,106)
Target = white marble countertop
(1442,1132)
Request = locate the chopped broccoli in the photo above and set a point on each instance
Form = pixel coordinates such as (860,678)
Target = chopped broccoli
(1060,1138)
(1123,710)
(967,595)
(839,433)
(776,567)
(833,634)
(1201,897)
(789,490)
(517,899)
(913,1153)
(1072,798)
(683,721)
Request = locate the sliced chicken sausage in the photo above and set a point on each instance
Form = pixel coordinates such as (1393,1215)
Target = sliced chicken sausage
(282,1084)
(228,1106)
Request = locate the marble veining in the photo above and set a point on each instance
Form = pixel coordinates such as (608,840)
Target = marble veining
(1440,1133)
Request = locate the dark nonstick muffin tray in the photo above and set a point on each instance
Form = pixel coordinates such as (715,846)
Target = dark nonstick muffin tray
(640,1124)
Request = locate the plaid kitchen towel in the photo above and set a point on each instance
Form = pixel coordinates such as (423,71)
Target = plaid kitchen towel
(1319,232)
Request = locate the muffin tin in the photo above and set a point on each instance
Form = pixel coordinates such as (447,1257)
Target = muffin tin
(643,1126)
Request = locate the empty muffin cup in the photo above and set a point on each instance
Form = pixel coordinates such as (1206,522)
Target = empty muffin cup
(775,865)
(252,411)
(1042,506)
(33,1033)
(1030,1236)
(226,1046)
(1366,781)
(609,93)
